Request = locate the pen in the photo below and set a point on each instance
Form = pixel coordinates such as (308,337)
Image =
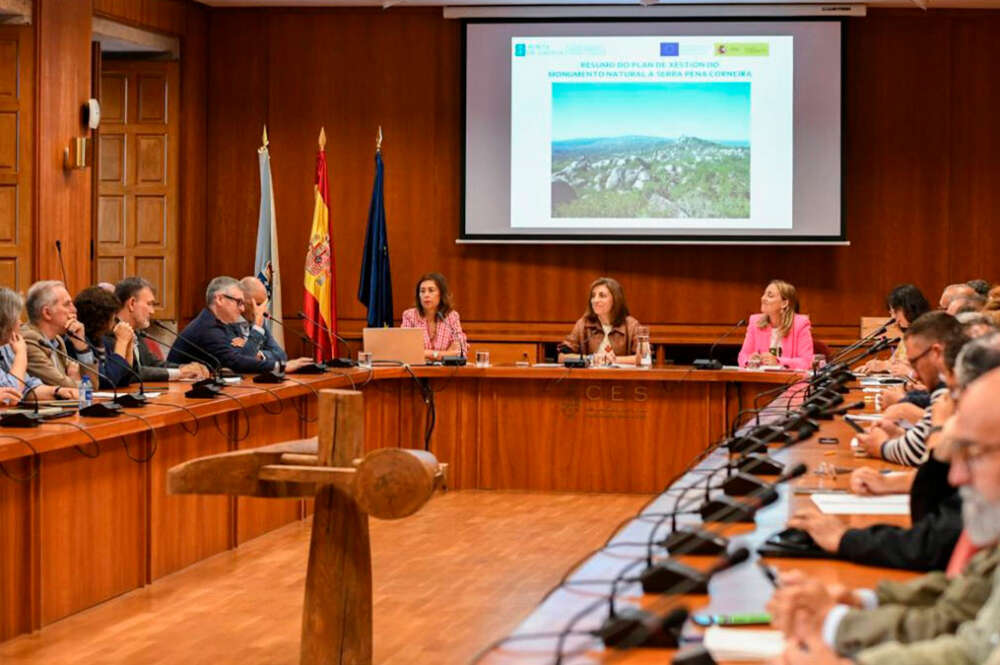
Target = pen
(769,573)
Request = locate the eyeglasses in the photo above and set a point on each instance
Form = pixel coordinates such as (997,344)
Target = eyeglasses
(971,453)
(913,361)
(240,302)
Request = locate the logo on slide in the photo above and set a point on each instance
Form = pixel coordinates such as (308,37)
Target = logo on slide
(669,48)
(519,50)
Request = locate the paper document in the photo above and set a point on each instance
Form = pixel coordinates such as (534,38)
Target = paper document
(547,365)
(852,504)
(742,644)
(106,395)
(865,417)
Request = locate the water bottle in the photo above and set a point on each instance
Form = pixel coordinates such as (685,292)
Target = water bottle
(86,391)
(644,350)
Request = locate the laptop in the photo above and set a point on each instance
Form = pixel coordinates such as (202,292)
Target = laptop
(397,345)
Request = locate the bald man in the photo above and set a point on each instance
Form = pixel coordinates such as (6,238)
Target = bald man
(255,296)
(954,292)
(974,439)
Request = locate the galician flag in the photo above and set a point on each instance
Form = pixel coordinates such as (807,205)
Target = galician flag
(320,303)
(265,264)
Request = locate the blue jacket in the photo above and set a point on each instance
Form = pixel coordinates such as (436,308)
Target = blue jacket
(206,332)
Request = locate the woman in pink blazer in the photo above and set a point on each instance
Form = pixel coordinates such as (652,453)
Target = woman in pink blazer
(778,335)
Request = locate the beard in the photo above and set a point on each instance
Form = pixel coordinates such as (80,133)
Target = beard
(981,517)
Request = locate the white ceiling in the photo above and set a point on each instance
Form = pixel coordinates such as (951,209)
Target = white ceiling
(923,4)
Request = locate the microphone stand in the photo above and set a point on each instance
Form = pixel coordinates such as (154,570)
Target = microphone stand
(460,360)
(333,362)
(128,400)
(711,362)
(206,388)
(110,409)
(311,368)
(30,419)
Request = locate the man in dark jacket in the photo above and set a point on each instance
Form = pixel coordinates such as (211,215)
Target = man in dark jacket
(215,336)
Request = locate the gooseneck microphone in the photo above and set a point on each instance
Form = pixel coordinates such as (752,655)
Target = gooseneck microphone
(127,399)
(460,359)
(333,362)
(311,368)
(711,362)
(30,419)
(62,266)
(206,388)
(110,409)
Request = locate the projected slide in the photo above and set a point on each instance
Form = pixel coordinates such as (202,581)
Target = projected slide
(652,132)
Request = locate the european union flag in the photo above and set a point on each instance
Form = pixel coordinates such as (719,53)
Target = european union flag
(375,287)
(669,48)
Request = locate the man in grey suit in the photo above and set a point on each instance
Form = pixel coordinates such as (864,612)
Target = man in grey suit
(138,306)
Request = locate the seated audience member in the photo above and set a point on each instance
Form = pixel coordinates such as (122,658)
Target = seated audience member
(15,382)
(779,335)
(970,303)
(255,295)
(606,330)
(216,339)
(906,304)
(434,312)
(925,341)
(112,340)
(980,286)
(51,315)
(935,507)
(138,304)
(928,619)
(954,292)
(975,324)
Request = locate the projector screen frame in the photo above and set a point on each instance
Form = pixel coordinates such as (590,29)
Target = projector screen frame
(665,239)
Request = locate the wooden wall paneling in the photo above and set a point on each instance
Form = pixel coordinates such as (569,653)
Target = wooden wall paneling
(456,432)
(974,144)
(256,516)
(193,224)
(63,198)
(93,526)
(16,551)
(383,406)
(908,178)
(138,173)
(185,528)
(238,103)
(169,16)
(17,121)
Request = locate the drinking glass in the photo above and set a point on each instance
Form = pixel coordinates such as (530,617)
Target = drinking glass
(482,358)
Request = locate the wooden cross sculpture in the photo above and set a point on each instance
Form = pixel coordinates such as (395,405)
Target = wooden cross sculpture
(388,483)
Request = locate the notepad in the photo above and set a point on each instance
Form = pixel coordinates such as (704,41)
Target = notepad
(852,504)
(741,644)
(865,417)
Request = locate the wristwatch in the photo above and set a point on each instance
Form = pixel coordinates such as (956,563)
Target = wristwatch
(55,393)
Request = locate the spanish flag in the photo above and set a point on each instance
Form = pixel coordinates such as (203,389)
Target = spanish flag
(320,303)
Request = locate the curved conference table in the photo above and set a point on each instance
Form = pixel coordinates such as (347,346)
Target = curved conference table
(84,514)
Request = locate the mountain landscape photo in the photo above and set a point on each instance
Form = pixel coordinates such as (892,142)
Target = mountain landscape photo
(650,177)
(651,150)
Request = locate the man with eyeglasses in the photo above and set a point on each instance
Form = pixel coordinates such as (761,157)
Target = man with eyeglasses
(808,611)
(215,337)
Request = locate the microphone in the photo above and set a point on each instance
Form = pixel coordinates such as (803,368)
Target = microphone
(828,414)
(668,573)
(878,332)
(726,509)
(311,368)
(129,400)
(460,359)
(711,362)
(206,388)
(632,627)
(570,363)
(62,266)
(333,362)
(110,409)
(31,419)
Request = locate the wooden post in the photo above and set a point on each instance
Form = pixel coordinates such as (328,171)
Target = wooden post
(337,613)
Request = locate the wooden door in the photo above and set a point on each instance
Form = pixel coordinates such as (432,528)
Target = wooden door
(137,176)
(17,81)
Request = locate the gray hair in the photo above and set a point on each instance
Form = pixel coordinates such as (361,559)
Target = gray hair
(218,285)
(41,295)
(11,305)
(971,319)
(251,284)
(977,358)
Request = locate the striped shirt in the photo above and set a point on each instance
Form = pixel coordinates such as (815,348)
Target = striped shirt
(910,449)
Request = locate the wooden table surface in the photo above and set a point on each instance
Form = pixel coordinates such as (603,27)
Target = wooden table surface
(741,589)
(90,518)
